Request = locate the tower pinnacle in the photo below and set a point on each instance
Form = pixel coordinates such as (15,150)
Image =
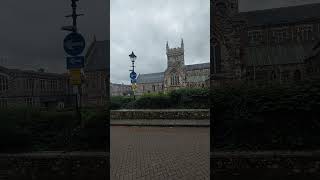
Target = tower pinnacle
(182,44)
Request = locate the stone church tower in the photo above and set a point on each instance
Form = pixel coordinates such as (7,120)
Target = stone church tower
(175,75)
(226,41)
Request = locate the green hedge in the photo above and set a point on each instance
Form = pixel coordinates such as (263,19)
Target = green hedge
(266,117)
(182,98)
(35,130)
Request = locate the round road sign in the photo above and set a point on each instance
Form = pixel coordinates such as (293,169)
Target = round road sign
(74,44)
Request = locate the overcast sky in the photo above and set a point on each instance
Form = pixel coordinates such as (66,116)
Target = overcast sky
(144,26)
(30,35)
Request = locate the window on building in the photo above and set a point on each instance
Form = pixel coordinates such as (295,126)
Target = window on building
(3,83)
(297,75)
(304,32)
(29,101)
(29,84)
(273,76)
(255,36)
(285,76)
(279,35)
(3,103)
(42,85)
(153,88)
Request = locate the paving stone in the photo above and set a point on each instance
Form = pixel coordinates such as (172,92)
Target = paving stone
(160,153)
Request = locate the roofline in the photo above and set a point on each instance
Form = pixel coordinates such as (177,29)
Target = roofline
(278,8)
(32,72)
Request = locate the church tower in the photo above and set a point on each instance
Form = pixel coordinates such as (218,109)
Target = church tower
(175,74)
(175,56)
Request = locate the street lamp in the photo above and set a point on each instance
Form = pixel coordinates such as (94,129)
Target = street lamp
(133,58)
(133,75)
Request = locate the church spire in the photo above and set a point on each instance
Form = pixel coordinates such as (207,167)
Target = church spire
(182,44)
(167,45)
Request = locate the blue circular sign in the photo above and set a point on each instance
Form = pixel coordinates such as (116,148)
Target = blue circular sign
(74,44)
(133,75)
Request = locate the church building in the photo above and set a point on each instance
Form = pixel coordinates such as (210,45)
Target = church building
(177,74)
(273,45)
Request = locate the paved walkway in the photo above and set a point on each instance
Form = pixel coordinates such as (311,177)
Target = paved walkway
(160,153)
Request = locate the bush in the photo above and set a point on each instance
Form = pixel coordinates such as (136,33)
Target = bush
(35,130)
(268,117)
(119,102)
(182,98)
(150,101)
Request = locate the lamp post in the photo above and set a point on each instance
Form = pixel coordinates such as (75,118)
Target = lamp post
(133,74)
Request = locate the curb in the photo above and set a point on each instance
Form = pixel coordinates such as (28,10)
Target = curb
(162,123)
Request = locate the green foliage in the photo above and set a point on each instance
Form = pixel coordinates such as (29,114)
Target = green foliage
(267,117)
(34,130)
(119,102)
(196,98)
(181,98)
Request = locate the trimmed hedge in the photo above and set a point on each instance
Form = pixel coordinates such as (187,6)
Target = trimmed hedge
(35,130)
(177,99)
(266,117)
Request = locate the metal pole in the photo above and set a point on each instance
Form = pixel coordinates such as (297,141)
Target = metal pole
(74,15)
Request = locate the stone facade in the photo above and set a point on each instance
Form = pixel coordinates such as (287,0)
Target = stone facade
(32,88)
(274,45)
(95,89)
(120,89)
(177,75)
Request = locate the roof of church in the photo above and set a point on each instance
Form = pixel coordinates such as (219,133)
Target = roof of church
(97,57)
(151,78)
(159,77)
(281,54)
(197,66)
(282,15)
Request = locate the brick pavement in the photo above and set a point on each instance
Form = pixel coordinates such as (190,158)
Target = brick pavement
(159,153)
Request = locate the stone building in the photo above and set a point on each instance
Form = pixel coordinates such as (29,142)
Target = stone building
(95,91)
(32,88)
(177,74)
(273,45)
(120,89)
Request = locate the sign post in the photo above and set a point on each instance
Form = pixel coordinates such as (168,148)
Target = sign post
(73,45)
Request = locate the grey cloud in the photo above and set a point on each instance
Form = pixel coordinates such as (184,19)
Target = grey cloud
(145,26)
(30,31)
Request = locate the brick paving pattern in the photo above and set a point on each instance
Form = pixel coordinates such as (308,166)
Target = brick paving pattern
(160,153)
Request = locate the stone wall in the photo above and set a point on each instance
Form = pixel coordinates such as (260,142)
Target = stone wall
(192,114)
(265,165)
(54,166)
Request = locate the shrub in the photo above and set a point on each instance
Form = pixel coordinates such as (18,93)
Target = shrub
(118,102)
(266,117)
(181,98)
(35,130)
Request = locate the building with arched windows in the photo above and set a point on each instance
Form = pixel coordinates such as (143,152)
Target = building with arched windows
(33,88)
(271,45)
(177,75)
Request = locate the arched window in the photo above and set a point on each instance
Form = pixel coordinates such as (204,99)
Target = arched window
(273,76)
(297,75)
(3,83)
(153,88)
(174,79)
